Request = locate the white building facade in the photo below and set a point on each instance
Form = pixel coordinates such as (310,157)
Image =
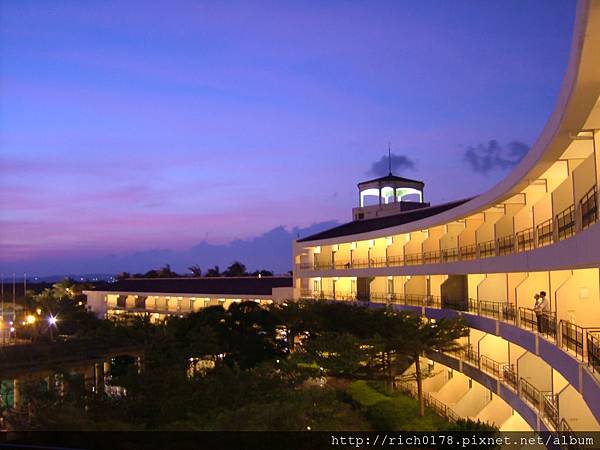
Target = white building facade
(484,259)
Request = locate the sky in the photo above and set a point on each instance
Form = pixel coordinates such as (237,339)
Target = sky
(137,132)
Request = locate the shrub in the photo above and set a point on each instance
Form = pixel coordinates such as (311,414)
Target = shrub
(364,395)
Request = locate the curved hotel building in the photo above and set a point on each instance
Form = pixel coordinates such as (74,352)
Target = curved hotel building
(484,259)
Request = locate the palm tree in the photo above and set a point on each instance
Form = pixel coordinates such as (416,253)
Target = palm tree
(196,270)
(166,272)
(213,272)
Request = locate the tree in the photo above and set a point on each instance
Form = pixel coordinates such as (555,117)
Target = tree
(213,272)
(340,353)
(411,336)
(166,272)
(236,269)
(196,270)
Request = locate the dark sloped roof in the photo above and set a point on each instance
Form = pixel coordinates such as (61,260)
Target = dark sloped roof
(390,177)
(220,285)
(379,223)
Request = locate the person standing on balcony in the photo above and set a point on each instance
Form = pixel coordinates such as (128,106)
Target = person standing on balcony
(545,310)
(537,308)
(541,308)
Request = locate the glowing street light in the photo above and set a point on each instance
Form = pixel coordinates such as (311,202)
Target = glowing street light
(51,325)
(30,319)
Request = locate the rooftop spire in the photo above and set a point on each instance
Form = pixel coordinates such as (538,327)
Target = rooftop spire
(390,158)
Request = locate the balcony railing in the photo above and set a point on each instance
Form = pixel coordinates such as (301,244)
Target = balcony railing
(431,257)
(545,402)
(584,342)
(525,240)
(567,431)
(413,259)
(576,338)
(487,249)
(506,245)
(498,310)
(450,255)
(528,319)
(468,252)
(440,408)
(530,393)
(550,408)
(545,233)
(509,375)
(491,366)
(589,208)
(564,225)
(471,355)
(593,350)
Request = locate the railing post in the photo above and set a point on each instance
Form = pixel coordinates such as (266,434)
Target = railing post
(554,225)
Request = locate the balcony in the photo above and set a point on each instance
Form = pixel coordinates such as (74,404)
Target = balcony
(564,225)
(544,403)
(583,343)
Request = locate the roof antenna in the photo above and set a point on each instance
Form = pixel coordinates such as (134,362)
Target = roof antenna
(390,158)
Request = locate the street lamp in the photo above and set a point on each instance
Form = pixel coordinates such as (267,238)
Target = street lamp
(51,325)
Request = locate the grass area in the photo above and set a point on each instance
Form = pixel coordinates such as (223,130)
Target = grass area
(391,410)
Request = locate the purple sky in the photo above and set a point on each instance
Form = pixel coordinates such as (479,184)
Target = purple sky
(127,128)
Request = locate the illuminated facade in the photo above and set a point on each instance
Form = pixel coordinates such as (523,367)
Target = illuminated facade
(484,259)
(161,297)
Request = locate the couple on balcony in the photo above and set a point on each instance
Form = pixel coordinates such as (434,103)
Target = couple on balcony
(541,308)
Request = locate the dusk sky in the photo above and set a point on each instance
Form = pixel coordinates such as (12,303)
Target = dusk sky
(132,133)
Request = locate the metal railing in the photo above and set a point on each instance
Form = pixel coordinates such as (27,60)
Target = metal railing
(498,310)
(525,240)
(413,259)
(487,249)
(584,342)
(471,355)
(545,402)
(565,223)
(528,319)
(395,260)
(509,375)
(468,252)
(593,350)
(431,257)
(572,337)
(550,407)
(491,366)
(450,255)
(440,408)
(568,432)
(589,208)
(506,245)
(530,393)
(545,233)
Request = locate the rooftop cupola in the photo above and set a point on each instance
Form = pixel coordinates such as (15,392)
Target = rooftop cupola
(388,195)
